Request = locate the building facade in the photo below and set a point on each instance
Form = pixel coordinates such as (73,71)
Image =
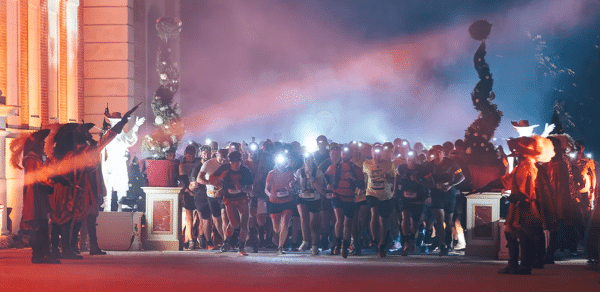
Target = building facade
(64,61)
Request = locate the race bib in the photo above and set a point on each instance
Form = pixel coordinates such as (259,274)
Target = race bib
(307,195)
(210,191)
(410,195)
(282,193)
(377,185)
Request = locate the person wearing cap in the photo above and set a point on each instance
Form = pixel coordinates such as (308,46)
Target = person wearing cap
(205,238)
(214,192)
(236,181)
(412,195)
(343,178)
(327,216)
(309,182)
(523,217)
(188,162)
(361,218)
(323,153)
(35,195)
(114,162)
(380,173)
(443,175)
(258,204)
(278,187)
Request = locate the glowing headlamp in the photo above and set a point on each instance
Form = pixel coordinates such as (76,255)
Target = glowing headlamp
(286,151)
(377,150)
(307,154)
(385,147)
(359,144)
(573,155)
(404,143)
(253,147)
(346,149)
(280,159)
(207,141)
(589,155)
(410,153)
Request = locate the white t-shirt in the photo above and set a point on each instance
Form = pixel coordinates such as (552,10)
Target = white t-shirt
(209,167)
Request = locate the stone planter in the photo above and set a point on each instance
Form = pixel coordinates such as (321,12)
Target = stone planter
(162,173)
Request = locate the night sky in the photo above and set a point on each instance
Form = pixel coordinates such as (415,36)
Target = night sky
(377,70)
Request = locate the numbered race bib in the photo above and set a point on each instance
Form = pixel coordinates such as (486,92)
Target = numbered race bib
(282,193)
(210,191)
(307,195)
(410,195)
(377,185)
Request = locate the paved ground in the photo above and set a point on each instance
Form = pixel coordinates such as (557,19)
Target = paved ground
(265,271)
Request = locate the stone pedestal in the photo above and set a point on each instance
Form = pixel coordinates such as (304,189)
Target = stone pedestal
(3,187)
(483,214)
(163,216)
(119,230)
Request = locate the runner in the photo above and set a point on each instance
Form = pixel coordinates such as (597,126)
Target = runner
(343,179)
(214,193)
(278,188)
(413,195)
(237,181)
(309,180)
(380,178)
(443,175)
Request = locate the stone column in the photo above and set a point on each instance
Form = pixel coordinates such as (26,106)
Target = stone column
(108,57)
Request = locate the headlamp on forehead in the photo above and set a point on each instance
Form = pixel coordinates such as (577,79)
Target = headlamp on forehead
(385,147)
(280,159)
(572,154)
(354,142)
(377,150)
(346,149)
(359,144)
(589,155)
(253,147)
(404,143)
(207,141)
(410,153)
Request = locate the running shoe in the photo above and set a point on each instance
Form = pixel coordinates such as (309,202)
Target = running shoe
(280,251)
(304,246)
(242,252)
(315,250)
(225,247)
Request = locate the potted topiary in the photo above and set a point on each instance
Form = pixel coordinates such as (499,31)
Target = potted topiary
(161,169)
